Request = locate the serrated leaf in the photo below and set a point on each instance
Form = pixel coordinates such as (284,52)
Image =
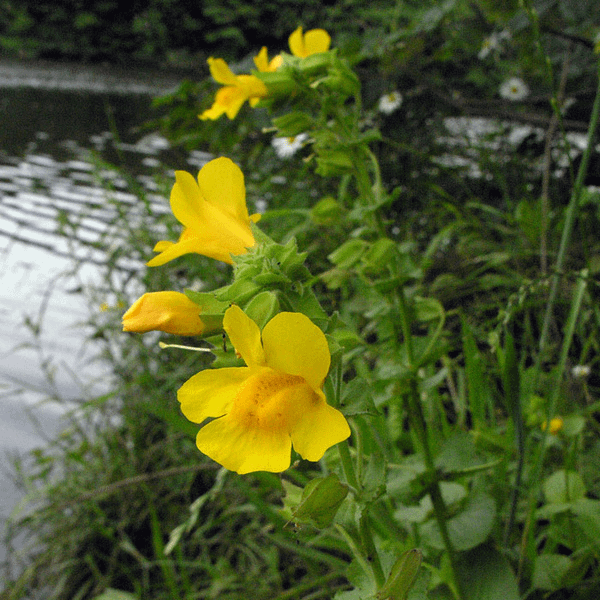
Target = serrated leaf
(357,399)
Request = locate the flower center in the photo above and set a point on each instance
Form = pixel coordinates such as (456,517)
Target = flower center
(271,400)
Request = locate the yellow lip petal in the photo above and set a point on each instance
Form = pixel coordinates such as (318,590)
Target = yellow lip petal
(294,344)
(169,251)
(244,450)
(210,393)
(320,427)
(244,335)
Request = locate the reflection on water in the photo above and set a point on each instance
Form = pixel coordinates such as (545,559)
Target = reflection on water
(59,221)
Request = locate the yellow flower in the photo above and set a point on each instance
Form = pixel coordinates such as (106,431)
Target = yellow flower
(264,65)
(237,89)
(556,424)
(276,401)
(312,42)
(213,212)
(171,312)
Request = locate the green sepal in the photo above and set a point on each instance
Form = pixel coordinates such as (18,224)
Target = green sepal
(327,211)
(262,308)
(349,253)
(320,501)
(402,576)
(293,123)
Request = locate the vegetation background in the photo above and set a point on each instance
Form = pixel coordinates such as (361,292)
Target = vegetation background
(478,209)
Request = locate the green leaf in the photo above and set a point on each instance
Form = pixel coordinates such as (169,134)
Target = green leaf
(469,528)
(549,571)
(478,384)
(374,482)
(564,486)
(458,454)
(484,574)
(112,594)
(357,399)
(427,309)
(587,513)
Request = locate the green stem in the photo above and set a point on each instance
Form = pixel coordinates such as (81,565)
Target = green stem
(419,425)
(348,466)
(570,218)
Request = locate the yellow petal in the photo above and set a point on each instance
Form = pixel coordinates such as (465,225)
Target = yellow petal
(221,183)
(171,312)
(244,450)
(294,344)
(312,42)
(296,42)
(261,60)
(210,393)
(221,72)
(244,335)
(320,427)
(315,41)
(187,200)
(169,251)
(214,112)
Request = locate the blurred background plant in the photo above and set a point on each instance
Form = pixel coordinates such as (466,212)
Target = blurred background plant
(480,156)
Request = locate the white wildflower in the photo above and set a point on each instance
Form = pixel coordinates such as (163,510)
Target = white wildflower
(581,371)
(493,43)
(514,89)
(285,147)
(390,102)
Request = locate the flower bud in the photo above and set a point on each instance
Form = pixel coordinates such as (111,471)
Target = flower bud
(171,312)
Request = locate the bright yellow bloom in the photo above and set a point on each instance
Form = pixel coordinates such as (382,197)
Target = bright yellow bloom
(213,212)
(171,312)
(276,401)
(312,42)
(556,424)
(237,89)
(264,65)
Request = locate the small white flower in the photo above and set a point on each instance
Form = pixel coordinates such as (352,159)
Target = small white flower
(492,43)
(581,371)
(514,89)
(390,102)
(285,147)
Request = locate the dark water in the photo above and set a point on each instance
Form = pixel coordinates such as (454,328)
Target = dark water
(57,126)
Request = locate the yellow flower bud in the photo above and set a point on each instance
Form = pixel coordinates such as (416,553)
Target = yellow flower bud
(171,312)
